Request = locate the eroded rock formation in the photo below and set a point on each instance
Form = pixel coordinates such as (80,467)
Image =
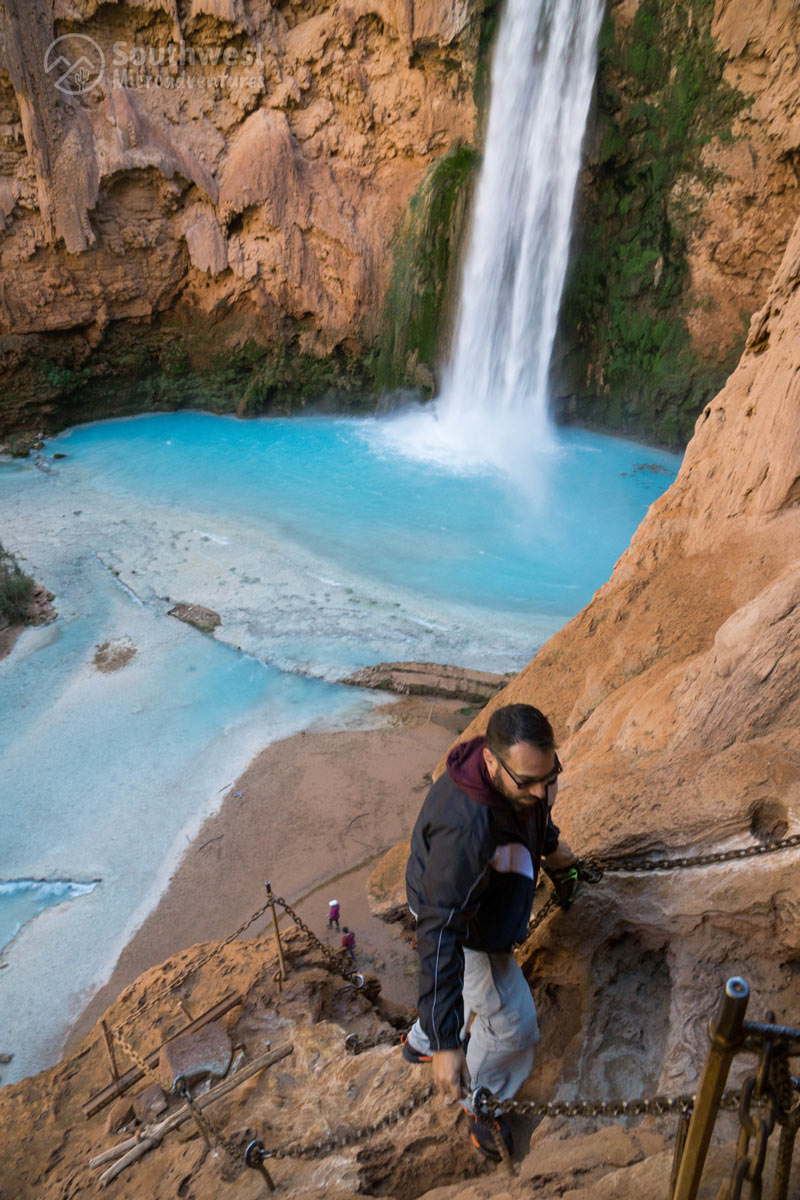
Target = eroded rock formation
(228,184)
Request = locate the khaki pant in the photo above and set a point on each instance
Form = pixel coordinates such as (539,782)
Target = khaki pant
(504,1028)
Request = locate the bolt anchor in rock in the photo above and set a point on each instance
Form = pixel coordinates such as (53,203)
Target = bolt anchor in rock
(254,1157)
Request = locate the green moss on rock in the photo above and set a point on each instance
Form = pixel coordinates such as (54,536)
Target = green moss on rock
(150,369)
(625,357)
(424,276)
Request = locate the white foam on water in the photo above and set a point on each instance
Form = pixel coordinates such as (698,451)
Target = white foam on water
(23,899)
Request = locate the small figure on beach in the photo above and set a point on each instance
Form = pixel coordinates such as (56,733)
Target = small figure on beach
(349,942)
(333,914)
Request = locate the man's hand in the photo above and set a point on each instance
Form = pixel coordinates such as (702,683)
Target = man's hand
(562,867)
(450,1073)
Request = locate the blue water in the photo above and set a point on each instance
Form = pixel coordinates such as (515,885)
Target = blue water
(334,488)
(324,544)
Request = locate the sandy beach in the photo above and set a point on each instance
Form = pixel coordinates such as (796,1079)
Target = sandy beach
(312,814)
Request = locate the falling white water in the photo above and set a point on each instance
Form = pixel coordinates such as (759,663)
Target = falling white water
(494,399)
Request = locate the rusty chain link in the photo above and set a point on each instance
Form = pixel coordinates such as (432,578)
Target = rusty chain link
(195,965)
(592,868)
(703,860)
(659,1106)
(211,1135)
(349,1136)
(757,1086)
(543,913)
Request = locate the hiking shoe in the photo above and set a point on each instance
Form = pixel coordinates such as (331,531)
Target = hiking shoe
(414,1056)
(481,1136)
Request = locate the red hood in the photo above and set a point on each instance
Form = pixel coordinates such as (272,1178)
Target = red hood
(467,769)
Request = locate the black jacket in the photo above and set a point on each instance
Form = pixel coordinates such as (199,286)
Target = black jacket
(470,881)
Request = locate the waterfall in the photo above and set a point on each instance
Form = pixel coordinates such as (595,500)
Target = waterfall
(493,404)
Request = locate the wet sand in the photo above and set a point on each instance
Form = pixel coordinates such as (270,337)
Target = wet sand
(312,814)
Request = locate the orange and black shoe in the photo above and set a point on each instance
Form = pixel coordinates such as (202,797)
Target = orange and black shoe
(481,1137)
(414,1056)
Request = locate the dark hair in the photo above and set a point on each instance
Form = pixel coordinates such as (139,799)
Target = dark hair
(519,723)
(345,929)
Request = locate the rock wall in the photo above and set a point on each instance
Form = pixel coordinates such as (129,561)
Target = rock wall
(676,699)
(215,209)
(688,197)
(256,205)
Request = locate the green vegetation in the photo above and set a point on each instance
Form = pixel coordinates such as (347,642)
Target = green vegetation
(16,589)
(423,285)
(490,19)
(661,97)
(165,370)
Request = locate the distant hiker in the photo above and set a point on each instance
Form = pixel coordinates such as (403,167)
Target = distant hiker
(333,914)
(349,942)
(476,849)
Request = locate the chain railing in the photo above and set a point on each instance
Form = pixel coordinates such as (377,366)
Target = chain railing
(785,1109)
(347,1137)
(634,863)
(338,959)
(592,868)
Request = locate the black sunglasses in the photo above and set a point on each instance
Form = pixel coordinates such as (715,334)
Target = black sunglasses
(523,783)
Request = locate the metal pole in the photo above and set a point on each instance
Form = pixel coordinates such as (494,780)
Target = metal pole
(725,1035)
(110,1051)
(677,1154)
(284,974)
(783,1166)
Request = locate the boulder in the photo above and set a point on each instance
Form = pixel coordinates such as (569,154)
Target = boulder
(198,1055)
(386,886)
(204,619)
(149,1103)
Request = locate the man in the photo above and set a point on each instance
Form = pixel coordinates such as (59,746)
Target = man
(476,849)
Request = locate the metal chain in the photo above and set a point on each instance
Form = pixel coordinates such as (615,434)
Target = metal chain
(209,1133)
(484,1101)
(195,965)
(749,1164)
(704,860)
(350,1136)
(138,1059)
(592,868)
(543,913)
(335,958)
